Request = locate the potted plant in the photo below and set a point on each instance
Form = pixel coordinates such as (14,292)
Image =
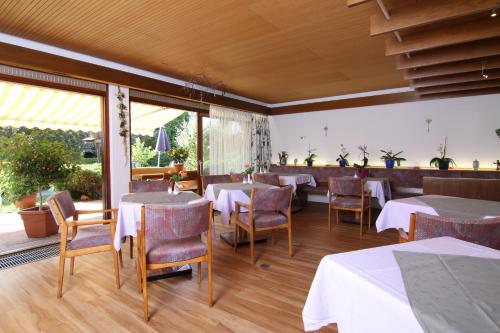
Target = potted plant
(362,172)
(311,156)
(33,164)
(174,180)
(179,155)
(443,162)
(389,158)
(342,159)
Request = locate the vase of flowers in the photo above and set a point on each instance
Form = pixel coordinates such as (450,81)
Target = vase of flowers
(342,159)
(362,172)
(442,162)
(174,182)
(390,159)
(249,169)
(179,155)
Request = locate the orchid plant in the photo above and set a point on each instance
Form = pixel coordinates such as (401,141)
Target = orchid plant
(440,161)
(389,156)
(343,155)
(364,154)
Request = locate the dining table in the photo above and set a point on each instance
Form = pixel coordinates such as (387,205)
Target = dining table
(129,221)
(296,179)
(224,197)
(364,290)
(379,188)
(396,213)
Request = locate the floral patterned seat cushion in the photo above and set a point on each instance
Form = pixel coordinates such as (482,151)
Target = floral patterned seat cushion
(173,250)
(264,219)
(348,202)
(90,237)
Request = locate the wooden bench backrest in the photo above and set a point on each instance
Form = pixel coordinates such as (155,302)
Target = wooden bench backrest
(472,188)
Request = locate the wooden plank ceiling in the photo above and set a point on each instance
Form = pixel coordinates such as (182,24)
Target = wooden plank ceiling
(444,47)
(273,51)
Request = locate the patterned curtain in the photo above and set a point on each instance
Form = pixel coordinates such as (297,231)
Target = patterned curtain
(260,147)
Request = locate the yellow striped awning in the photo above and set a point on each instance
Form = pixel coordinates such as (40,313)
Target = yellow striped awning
(34,106)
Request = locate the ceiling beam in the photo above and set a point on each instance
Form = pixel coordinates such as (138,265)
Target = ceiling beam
(464,93)
(455,78)
(444,36)
(452,68)
(426,12)
(352,3)
(460,87)
(473,50)
(31,59)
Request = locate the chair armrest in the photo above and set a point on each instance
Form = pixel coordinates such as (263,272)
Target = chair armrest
(82,223)
(239,204)
(92,211)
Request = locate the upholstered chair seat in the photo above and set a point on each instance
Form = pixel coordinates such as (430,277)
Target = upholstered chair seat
(90,237)
(349,202)
(166,251)
(264,219)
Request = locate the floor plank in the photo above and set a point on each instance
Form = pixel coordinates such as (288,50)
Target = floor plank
(260,298)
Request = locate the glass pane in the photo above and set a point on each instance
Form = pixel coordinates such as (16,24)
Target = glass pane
(206,145)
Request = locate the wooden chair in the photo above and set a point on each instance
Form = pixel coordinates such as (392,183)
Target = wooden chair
(481,231)
(267,178)
(237,177)
(170,236)
(214,179)
(269,210)
(98,238)
(348,194)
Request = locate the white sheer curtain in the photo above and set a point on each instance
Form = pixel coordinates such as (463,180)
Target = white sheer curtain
(229,139)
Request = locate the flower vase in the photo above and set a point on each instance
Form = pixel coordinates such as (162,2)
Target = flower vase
(249,179)
(342,163)
(389,164)
(176,188)
(444,165)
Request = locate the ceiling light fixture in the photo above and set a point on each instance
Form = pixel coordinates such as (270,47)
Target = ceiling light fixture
(493,13)
(484,76)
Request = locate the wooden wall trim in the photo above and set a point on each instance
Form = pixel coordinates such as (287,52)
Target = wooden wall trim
(347,103)
(14,55)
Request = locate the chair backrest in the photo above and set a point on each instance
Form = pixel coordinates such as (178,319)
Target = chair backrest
(267,178)
(237,177)
(136,186)
(278,199)
(169,222)
(61,206)
(214,179)
(345,186)
(480,231)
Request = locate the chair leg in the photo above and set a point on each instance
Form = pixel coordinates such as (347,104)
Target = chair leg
(210,287)
(361,224)
(252,247)
(337,215)
(61,276)
(145,291)
(199,272)
(235,242)
(329,217)
(131,247)
(117,268)
(72,266)
(120,258)
(139,274)
(370,218)
(289,241)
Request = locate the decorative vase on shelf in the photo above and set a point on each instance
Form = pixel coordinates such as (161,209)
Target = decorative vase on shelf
(475,165)
(362,173)
(356,174)
(283,156)
(389,164)
(342,163)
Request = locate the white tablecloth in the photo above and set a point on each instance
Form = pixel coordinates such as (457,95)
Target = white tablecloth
(296,179)
(363,291)
(396,213)
(129,215)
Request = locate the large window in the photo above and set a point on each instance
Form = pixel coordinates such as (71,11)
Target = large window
(180,133)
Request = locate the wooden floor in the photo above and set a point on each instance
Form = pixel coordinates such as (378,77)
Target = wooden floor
(267,297)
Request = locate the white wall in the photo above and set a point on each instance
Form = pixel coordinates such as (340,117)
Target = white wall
(469,123)
(119,164)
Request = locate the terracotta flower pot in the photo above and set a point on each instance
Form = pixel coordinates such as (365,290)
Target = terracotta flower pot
(28,201)
(178,167)
(38,224)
